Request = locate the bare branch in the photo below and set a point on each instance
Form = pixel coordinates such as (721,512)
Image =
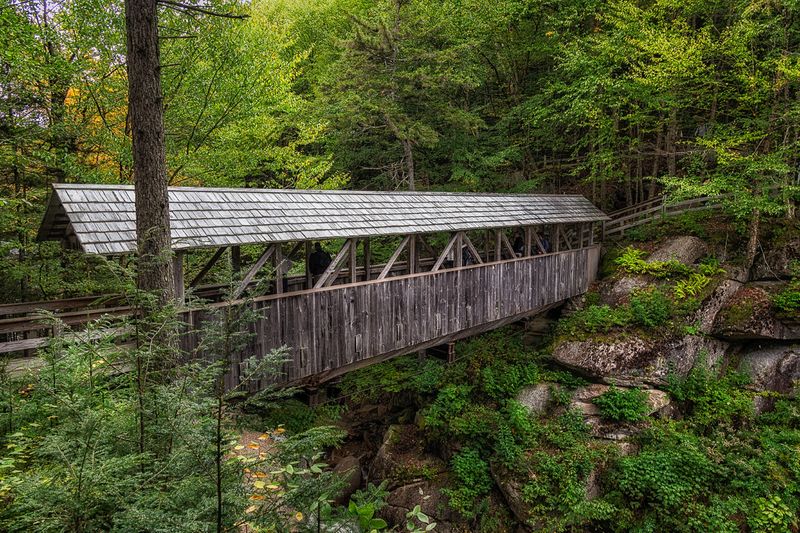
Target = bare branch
(197,9)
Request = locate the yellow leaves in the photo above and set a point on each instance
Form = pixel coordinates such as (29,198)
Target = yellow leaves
(253,446)
(239,447)
(263,436)
(258,497)
(273,487)
(298,516)
(280,430)
(252,509)
(259,484)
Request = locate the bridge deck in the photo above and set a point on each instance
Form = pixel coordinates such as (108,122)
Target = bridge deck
(336,329)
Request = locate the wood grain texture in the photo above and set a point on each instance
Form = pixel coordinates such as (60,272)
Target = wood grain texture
(103,216)
(341,326)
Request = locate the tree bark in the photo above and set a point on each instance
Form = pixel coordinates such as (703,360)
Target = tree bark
(149,159)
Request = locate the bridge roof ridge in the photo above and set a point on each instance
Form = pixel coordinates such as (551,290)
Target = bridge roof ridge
(99,218)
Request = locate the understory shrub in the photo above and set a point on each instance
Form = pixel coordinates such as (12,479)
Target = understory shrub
(473,481)
(632,261)
(650,308)
(622,405)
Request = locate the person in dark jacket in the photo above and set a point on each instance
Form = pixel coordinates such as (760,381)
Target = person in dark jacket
(518,246)
(319,260)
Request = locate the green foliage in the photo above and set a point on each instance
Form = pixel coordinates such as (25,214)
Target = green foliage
(650,308)
(772,514)
(629,405)
(503,380)
(473,481)
(632,261)
(691,286)
(594,319)
(788,300)
(710,400)
(399,375)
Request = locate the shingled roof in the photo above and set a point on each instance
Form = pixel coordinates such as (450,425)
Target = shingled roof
(100,219)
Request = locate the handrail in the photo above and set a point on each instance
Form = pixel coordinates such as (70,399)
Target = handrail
(40,330)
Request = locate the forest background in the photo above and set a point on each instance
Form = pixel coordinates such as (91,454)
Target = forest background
(617,99)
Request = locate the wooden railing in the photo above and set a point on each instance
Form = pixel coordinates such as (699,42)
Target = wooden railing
(655,209)
(334,329)
(659,208)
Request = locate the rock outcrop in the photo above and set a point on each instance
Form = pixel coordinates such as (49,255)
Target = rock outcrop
(773,367)
(685,249)
(749,315)
(414,477)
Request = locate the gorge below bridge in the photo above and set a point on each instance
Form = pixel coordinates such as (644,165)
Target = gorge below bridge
(451,265)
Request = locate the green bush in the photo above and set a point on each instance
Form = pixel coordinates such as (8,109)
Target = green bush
(691,286)
(503,380)
(622,405)
(788,300)
(710,400)
(650,308)
(632,261)
(473,481)
(594,319)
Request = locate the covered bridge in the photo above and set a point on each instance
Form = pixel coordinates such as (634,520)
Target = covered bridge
(408,270)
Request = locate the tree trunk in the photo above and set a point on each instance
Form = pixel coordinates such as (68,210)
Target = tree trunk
(408,154)
(752,239)
(149,160)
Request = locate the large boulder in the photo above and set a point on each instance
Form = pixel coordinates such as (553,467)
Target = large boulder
(537,398)
(706,316)
(349,468)
(415,477)
(425,493)
(686,249)
(626,357)
(402,458)
(772,367)
(749,315)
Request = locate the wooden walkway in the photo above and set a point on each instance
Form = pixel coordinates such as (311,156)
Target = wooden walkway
(332,330)
(659,207)
(655,209)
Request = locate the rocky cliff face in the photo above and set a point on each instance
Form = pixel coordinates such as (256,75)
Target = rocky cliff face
(730,318)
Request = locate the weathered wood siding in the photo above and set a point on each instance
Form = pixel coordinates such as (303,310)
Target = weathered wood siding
(336,327)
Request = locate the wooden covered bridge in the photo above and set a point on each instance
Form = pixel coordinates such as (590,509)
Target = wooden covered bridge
(408,270)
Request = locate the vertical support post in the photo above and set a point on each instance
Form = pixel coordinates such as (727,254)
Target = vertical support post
(487,245)
(177,270)
(451,352)
(236,260)
(498,245)
(591,233)
(353,260)
(309,280)
(528,240)
(277,261)
(557,239)
(412,254)
(458,254)
(367,260)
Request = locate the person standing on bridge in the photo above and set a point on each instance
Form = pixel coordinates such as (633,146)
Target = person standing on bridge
(318,261)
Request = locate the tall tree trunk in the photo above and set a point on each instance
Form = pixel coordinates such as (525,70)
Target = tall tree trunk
(408,155)
(753,229)
(672,136)
(149,160)
(656,162)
